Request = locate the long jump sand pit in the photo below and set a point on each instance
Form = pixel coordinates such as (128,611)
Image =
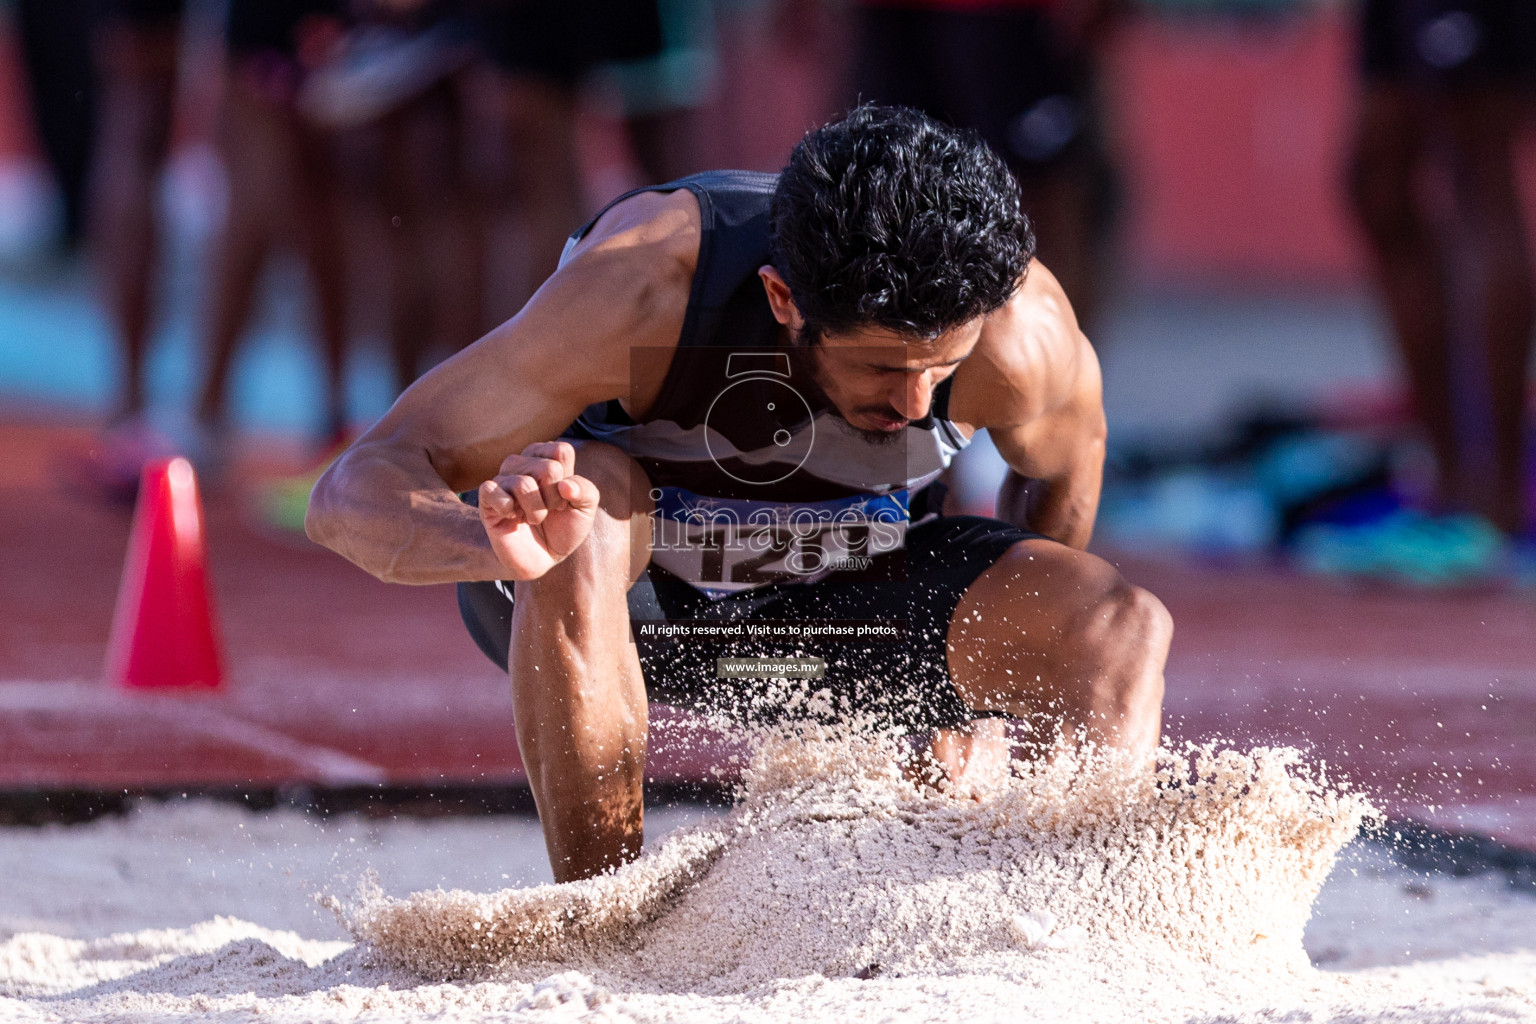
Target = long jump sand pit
(834,890)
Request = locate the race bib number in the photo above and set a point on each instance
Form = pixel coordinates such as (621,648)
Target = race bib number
(722,545)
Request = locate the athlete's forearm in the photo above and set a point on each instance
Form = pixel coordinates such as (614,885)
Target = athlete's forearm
(1062,509)
(398,520)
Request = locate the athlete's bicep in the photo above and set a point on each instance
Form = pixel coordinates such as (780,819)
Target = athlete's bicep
(1066,438)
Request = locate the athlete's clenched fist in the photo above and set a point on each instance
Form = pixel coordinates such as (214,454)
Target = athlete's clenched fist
(537,510)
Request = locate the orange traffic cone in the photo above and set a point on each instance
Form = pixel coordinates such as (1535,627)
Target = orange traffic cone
(163,629)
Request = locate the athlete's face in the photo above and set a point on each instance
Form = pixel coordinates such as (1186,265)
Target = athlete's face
(879,382)
(876,379)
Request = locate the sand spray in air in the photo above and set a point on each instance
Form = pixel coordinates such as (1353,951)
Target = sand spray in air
(833,863)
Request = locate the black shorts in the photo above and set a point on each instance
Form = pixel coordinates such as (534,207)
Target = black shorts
(147,14)
(561,42)
(1448,43)
(903,683)
(1002,72)
(273,26)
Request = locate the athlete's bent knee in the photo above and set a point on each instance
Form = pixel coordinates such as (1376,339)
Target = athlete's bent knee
(619,478)
(1131,631)
(1147,618)
(621,530)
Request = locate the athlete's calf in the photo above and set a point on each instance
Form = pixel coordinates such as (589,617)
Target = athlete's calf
(577,692)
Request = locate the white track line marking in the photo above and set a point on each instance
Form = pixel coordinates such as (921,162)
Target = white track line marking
(324,764)
(320,763)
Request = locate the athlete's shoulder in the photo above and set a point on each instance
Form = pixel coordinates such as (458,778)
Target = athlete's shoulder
(1029,360)
(658,229)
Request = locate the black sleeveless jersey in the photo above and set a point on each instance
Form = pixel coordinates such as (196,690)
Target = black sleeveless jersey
(756,479)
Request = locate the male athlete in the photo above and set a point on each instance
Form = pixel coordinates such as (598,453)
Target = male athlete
(730,405)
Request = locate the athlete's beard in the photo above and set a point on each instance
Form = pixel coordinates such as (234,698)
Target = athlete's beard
(808,376)
(879,438)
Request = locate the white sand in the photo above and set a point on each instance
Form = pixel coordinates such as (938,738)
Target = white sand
(1083,897)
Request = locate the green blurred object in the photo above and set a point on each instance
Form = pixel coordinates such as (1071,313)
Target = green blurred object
(284,502)
(1406,546)
(284,505)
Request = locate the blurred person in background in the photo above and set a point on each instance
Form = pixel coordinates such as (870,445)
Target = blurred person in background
(136,48)
(1022,73)
(1446,89)
(388,92)
(784,65)
(658,95)
(652,57)
(394,92)
(416,111)
(281,178)
(55,44)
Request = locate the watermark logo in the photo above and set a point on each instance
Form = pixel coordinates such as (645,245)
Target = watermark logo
(760,389)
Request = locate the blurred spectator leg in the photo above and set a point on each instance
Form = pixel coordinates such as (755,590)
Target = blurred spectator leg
(1484,123)
(410,294)
(136,60)
(544,193)
(661,93)
(1062,206)
(257,157)
(436,235)
(317,202)
(56,50)
(542,55)
(1392,140)
(1020,78)
(282,185)
(663,143)
(456,202)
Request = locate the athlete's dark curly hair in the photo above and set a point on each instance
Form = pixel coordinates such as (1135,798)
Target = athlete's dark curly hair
(889,218)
